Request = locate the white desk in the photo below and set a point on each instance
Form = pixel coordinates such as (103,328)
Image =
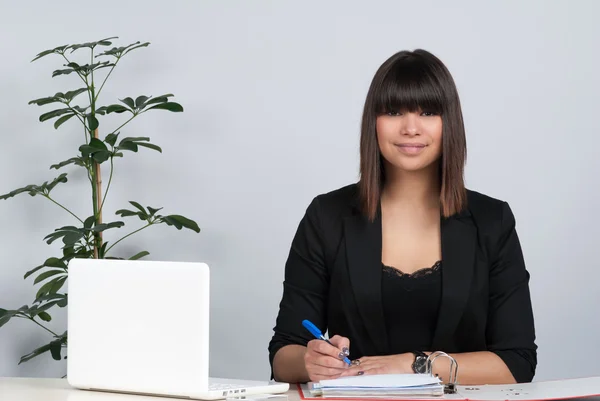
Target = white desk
(25,389)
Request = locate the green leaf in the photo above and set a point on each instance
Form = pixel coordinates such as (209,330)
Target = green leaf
(140,101)
(111,139)
(5,318)
(129,102)
(91,45)
(63,302)
(60,179)
(139,207)
(180,221)
(69,234)
(37,309)
(171,106)
(128,146)
(105,226)
(159,99)
(153,211)
(127,213)
(136,47)
(36,189)
(30,272)
(101,156)
(57,50)
(55,262)
(102,250)
(30,189)
(121,51)
(53,114)
(92,122)
(55,348)
(58,285)
(134,139)
(38,351)
(65,71)
(139,255)
(62,120)
(45,316)
(132,143)
(149,145)
(74,160)
(97,149)
(45,289)
(47,274)
(70,95)
(116,108)
(51,297)
(89,222)
(46,100)
(98,144)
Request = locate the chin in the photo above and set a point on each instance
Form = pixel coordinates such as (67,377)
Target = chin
(412,166)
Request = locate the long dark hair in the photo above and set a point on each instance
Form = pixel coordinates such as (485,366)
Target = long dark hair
(413,81)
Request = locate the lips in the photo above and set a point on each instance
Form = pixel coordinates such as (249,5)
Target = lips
(411,145)
(410,148)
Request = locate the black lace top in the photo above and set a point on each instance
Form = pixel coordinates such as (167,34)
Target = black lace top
(410,306)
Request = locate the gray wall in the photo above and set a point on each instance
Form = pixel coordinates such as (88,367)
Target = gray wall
(273,94)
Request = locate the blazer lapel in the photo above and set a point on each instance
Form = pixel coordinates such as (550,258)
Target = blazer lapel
(458,260)
(363,252)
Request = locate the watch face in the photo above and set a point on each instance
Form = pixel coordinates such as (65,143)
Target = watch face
(420,364)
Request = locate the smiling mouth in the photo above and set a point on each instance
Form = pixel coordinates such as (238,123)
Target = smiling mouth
(410,145)
(410,148)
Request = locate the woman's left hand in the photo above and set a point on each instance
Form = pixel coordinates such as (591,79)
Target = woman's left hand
(375,365)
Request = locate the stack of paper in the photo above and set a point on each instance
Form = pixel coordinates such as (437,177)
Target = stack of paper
(374,386)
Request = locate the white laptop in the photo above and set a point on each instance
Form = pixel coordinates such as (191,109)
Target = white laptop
(142,327)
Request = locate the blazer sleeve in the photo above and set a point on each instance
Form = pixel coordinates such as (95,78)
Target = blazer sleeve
(305,286)
(510,330)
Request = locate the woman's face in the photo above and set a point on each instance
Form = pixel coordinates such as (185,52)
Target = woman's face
(410,141)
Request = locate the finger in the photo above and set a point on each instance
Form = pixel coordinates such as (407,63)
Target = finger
(315,370)
(324,348)
(313,358)
(366,365)
(342,343)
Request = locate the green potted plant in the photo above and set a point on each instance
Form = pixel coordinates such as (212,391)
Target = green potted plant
(82,237)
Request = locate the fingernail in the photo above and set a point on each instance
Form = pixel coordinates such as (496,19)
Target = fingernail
(346,351)
(360,372)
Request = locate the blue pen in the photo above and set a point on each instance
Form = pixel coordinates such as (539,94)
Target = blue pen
(317,333)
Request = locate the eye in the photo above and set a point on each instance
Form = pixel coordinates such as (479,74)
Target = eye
(429,113)
(392,113)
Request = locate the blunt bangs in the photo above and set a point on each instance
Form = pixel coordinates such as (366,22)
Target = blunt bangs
(409,85)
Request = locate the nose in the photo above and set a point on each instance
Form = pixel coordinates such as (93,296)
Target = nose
(410,124)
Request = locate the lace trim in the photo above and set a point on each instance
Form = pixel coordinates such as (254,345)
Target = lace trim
(424,272)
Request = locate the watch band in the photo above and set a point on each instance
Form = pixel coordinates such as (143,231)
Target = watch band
(418,365)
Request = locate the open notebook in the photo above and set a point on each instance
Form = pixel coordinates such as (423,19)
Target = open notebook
(421,388)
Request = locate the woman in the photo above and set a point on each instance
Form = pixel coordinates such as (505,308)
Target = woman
(407,261)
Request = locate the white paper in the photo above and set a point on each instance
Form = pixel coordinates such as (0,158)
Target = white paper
(382,381)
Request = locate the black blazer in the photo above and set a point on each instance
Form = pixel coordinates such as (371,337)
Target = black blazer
(332,279)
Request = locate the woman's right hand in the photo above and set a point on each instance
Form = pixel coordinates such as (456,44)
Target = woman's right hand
(325,361)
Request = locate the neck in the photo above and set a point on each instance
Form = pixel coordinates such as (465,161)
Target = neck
(419,189)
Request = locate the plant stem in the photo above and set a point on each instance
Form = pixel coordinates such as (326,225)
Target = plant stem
(106,78)
(131,233)
(42,326)
(78,73)
(107,185)
(67,210)
(126,122)
(97,171)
